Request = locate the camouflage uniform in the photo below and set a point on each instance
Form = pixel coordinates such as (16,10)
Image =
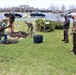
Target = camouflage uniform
(3,24)
(74,37)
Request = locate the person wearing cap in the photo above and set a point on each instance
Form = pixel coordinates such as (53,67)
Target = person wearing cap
(11,21)
(74,33)
(65,28)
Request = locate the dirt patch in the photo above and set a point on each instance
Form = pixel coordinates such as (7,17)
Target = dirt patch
(10,42)
(19,34)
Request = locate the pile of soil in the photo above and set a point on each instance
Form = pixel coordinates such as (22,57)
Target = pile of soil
(19,34)
(10,42)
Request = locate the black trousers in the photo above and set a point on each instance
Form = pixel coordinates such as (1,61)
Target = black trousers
(74,43)
(66,35)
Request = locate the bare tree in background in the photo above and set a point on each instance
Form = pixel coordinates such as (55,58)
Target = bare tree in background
(72,8)
(52,8)
(56,13)
(63,8)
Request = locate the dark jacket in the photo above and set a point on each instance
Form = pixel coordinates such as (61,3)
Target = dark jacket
(66,24)
(11,17)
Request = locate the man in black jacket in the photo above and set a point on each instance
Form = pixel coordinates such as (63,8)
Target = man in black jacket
(65,28)
(11,21)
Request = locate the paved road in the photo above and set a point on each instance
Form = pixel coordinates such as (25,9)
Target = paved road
(49,16)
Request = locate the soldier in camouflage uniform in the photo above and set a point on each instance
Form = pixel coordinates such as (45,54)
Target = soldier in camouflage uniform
(74,33)
(3,26)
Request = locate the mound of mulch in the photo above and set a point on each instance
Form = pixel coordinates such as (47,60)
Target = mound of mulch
(10,42)
(19,34)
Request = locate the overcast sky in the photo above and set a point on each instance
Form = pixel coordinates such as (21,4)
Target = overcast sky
(37,3)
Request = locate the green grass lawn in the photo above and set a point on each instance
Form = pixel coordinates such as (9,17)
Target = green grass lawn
(52,57)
